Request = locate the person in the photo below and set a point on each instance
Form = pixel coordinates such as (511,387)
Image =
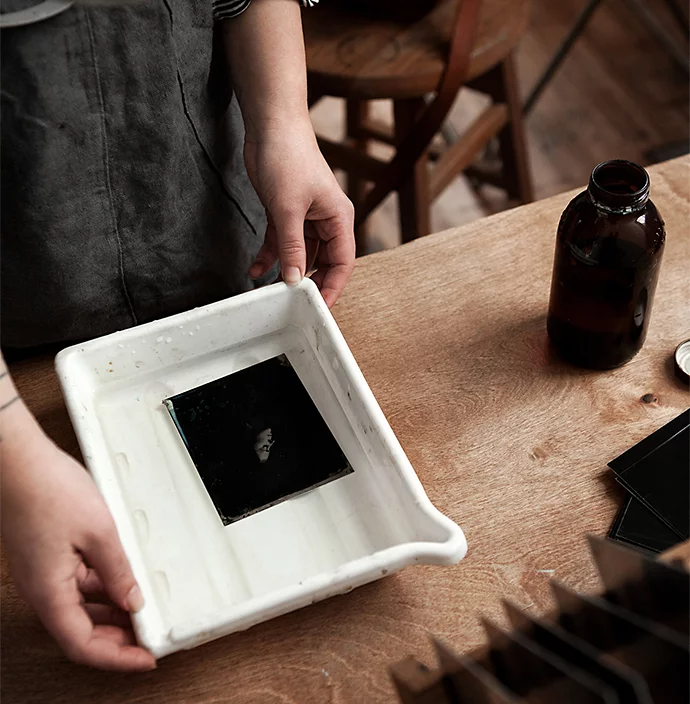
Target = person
(126,130)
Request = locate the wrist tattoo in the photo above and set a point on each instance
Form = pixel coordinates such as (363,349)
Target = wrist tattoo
(7,404)
(3,374)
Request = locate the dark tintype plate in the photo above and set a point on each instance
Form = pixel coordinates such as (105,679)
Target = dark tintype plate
(256,438)
(656,472)
(638,526)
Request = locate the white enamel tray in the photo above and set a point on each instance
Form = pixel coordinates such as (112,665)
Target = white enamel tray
(200,579)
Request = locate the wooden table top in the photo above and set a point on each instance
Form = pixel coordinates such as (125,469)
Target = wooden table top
(508,441)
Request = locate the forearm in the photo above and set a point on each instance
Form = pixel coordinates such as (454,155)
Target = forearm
(265,53)
(20,434)
(60,539)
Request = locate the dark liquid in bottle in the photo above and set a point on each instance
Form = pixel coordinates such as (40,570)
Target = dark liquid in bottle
(605,271)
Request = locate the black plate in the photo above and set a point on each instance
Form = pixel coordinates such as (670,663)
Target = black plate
(256,438)
(636,525)
(657,473)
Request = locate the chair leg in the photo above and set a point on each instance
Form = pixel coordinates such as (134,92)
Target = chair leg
(413,196)
(516,171)
(356,112)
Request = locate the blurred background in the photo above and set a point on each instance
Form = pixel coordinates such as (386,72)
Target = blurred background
(620,91)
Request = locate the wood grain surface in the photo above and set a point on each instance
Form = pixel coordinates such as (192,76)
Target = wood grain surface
(507,440)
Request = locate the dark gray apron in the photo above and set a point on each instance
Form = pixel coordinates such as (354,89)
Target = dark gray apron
(124,193)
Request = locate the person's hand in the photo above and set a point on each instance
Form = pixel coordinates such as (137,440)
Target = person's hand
(310,219)
(66,557)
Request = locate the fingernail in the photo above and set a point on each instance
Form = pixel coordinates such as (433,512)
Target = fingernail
(292,276)
(134,599)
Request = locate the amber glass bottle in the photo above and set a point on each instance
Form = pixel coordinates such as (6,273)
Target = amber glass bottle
(608,253)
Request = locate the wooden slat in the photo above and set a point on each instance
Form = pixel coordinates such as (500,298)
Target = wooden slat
(485,173)
(376,129)
(463,152)
(355,162)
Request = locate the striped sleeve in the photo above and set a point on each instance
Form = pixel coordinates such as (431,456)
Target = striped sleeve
(226,9)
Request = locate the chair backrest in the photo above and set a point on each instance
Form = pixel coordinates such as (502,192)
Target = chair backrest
(431,118)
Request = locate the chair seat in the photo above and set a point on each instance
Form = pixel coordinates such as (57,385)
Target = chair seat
(351,55)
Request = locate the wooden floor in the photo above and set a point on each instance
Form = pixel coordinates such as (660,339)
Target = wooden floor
(618,95)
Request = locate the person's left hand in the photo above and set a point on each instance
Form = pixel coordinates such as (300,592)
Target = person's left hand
(310,219)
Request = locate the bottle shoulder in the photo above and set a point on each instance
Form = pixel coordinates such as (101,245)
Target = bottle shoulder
(583,226)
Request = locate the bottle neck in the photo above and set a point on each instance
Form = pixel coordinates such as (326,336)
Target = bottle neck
(619,186)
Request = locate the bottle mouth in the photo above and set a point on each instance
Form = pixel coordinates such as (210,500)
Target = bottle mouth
(619,185)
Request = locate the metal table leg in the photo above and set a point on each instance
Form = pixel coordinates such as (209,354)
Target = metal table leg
(560,56)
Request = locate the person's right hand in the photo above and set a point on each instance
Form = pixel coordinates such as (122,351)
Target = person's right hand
(66,558)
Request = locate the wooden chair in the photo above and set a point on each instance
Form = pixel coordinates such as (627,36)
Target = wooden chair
(355,56)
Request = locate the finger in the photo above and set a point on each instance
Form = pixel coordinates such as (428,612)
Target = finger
(103,646)
(289,224)
(267,256)
(111,648)
(332,281)
(108,615)
(119,636)
(103,550)
(339,259)
(110,652)
(319,275)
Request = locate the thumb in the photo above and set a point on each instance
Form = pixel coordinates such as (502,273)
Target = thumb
(289,225)
(105,554)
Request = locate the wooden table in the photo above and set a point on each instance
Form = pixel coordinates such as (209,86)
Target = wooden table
(508,441)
